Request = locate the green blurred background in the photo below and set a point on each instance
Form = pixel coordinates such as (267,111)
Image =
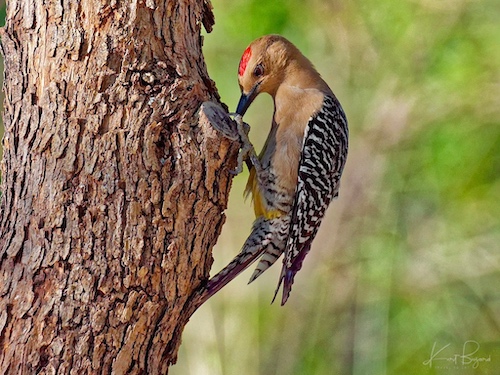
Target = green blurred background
(408,257)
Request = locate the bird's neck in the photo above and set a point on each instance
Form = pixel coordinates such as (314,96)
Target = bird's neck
(300,75)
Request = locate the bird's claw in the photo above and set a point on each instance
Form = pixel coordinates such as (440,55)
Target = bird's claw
(236,171)
(243,127)
(247,150)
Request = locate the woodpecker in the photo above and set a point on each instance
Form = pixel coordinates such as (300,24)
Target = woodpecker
(298,171)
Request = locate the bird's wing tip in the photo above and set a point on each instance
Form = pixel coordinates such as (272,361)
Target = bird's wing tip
(287,286)
(287,276)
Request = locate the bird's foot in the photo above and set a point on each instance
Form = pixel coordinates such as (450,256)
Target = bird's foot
(247,151)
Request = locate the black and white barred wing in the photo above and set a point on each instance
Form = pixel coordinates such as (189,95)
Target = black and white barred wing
(323,157)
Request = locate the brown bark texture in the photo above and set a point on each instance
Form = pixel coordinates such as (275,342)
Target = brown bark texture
(113,190)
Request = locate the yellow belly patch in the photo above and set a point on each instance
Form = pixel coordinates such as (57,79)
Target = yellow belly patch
(259,206)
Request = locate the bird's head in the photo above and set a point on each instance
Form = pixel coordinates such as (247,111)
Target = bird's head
(263,67)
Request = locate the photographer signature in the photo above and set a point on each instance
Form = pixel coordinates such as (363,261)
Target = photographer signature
(465,358)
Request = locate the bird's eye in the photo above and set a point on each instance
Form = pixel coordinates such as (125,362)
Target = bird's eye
(258,71)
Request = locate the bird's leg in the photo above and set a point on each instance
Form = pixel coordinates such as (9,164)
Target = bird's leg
(247,152)
(214,115)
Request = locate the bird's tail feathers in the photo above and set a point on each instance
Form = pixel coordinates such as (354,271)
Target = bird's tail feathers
(275,247)
(234,268)
(269,257)
(261,239)
(288,273)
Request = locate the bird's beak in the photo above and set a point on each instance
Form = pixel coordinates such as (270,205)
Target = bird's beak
(246,100)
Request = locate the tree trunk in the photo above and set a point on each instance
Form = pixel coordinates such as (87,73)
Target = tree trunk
(113,190)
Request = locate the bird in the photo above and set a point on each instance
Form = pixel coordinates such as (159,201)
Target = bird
(298,172)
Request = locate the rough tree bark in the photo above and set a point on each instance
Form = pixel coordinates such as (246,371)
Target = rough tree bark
(113,190)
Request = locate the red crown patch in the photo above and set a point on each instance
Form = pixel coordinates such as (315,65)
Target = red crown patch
(244,61)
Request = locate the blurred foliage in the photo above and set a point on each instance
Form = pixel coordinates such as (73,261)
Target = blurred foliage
(3,9)
(2,23)
(408,257)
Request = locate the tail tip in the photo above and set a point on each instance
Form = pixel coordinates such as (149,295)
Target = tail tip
(287,286)
(287,278)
